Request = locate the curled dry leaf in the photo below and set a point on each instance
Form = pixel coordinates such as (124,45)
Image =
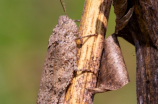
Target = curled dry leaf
(113,73)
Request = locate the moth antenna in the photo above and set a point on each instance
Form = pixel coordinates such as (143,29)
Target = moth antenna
(63,5)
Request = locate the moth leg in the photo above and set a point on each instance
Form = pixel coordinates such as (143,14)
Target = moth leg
(79,44)
(77,20)
(85,70)
(82,70)
(85,36)
(93,90)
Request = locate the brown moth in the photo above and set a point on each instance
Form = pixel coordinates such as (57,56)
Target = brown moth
(60,62)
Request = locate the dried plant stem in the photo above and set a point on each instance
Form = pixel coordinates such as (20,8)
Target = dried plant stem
(94,21)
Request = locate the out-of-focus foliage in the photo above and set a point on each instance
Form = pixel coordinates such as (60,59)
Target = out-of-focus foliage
(25,27)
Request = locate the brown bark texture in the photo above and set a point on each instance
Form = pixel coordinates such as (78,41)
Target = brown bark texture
(93,21)
(142,31)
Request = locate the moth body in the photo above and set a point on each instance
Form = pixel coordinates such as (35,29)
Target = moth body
(60,62)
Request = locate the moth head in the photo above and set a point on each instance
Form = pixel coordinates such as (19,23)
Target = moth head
(63,20)
(66,23)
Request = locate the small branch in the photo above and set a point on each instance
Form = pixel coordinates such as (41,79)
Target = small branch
(94,21)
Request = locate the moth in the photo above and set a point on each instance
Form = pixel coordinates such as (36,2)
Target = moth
(60,62)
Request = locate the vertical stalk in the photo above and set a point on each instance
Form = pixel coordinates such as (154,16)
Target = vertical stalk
(93,21)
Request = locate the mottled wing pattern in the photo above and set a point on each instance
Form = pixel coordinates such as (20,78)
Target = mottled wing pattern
(60,62)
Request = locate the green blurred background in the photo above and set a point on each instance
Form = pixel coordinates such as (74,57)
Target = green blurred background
(25,27)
